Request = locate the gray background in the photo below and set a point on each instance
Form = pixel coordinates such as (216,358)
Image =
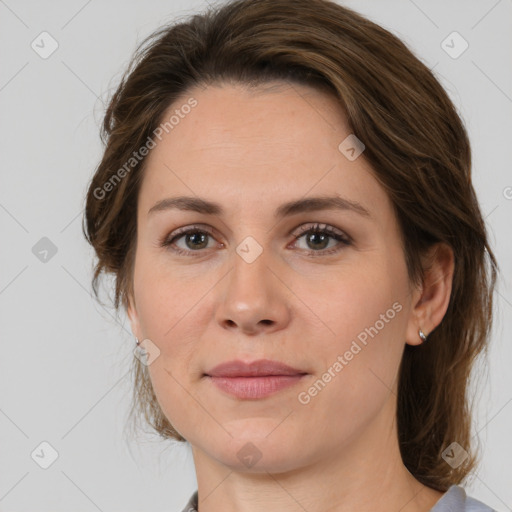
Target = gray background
(63,370)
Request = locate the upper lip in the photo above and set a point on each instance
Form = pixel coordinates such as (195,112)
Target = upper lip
(259,368)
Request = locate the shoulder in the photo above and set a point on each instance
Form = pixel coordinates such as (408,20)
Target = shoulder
(191,505)
(453,500)
(456,500)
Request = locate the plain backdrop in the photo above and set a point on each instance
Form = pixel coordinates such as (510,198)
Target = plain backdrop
(64,358)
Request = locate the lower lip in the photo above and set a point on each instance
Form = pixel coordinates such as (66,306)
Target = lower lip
(255,387)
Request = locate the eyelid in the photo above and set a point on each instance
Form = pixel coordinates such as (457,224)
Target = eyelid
(168,238)
(320,226)
(342,237)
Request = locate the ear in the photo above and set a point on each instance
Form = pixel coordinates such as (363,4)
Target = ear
(131,311)
(431,299)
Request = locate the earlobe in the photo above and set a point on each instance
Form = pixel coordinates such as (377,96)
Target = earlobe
(431,302)
(134,319)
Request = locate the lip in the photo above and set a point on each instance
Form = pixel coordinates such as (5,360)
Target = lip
(259,368)
(254,380)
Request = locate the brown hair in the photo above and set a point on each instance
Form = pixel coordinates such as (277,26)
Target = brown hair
(417,146)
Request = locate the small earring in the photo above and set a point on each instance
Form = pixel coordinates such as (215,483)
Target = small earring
(137,341)
(423,336)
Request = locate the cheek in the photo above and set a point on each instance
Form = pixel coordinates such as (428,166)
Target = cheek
(173,309)
(167,310)
(363,321)
(360,360)
(352,303)
(167,298)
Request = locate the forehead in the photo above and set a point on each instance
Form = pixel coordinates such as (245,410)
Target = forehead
(253,145)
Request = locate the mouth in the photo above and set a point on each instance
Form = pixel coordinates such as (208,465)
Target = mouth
(254,380)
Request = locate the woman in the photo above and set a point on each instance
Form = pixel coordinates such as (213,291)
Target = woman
(285,202)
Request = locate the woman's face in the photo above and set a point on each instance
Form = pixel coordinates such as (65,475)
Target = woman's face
(336,305)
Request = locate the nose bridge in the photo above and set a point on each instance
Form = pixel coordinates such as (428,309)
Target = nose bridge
(253,296)
(250,279)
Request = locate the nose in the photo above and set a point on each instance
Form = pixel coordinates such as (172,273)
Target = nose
(254,298)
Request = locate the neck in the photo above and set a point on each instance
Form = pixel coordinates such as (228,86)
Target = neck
(365,474)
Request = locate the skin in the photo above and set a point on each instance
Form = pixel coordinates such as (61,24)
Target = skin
(252,150)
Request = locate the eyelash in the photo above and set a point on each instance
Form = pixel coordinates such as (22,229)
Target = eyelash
(317,229)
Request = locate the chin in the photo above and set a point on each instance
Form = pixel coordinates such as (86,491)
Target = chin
(258,448)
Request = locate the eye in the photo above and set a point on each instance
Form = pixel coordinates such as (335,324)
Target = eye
(318,237)
(195,239)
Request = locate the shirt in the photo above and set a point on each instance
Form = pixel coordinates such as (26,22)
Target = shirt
(453,500)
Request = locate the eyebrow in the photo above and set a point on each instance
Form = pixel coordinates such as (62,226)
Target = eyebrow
(196,204)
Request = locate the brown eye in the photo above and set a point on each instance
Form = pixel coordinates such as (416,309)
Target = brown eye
(190,239)
(317,239)
(196,239)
